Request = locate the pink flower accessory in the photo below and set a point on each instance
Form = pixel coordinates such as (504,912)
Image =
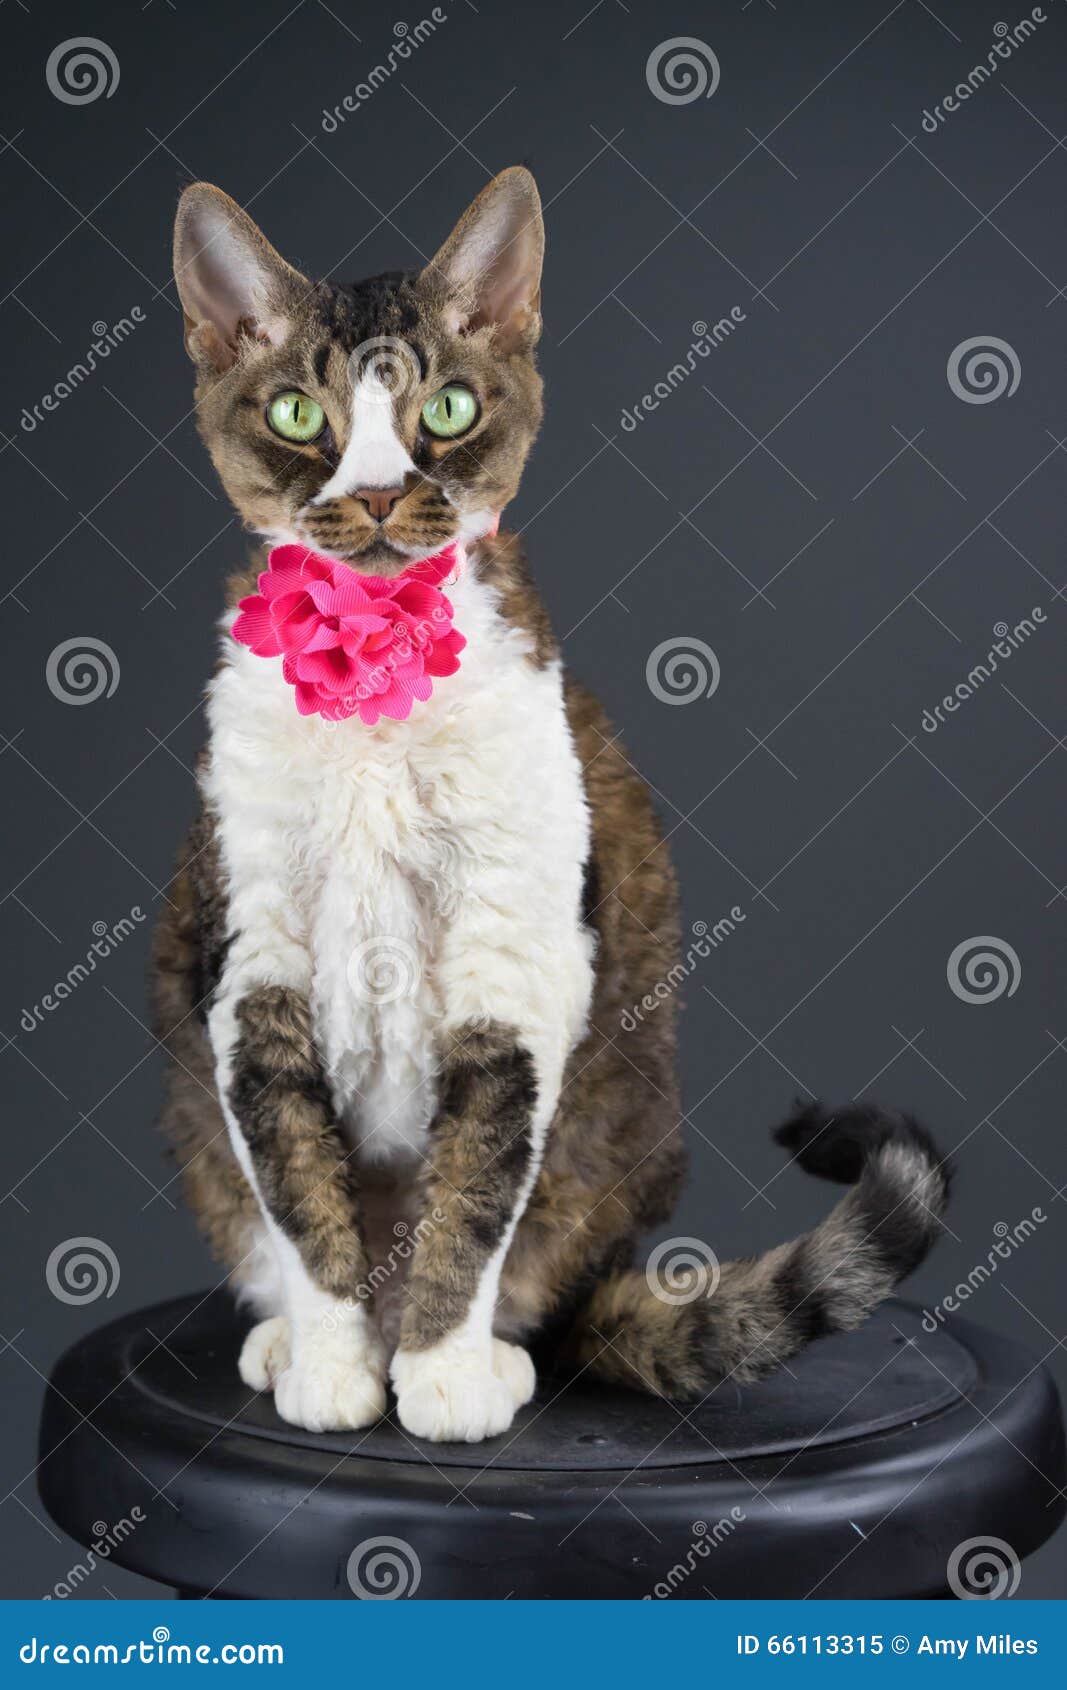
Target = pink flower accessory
(354,644)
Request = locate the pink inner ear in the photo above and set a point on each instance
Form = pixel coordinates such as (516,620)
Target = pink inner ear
(228,275)
(455,319)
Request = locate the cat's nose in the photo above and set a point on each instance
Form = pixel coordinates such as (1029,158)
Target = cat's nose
(379,500)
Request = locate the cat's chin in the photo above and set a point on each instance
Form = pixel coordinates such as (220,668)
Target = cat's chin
(380,557)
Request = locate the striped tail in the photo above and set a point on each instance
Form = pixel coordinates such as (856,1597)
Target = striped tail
(678,1339)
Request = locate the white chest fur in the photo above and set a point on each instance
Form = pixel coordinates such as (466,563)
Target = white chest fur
(410,875)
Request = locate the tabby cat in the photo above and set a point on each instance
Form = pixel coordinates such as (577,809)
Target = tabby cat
(394,969)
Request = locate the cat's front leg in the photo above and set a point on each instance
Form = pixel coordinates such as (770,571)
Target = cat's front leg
(517,988)
(454,1381)
(319,1351)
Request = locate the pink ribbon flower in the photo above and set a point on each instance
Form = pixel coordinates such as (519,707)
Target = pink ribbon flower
(353,644)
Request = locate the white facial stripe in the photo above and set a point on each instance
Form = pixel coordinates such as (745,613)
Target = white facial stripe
(375,456)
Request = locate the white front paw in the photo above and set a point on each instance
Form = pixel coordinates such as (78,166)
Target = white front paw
(448,1395)
(331,1385)
(265,1353)
(511,1363)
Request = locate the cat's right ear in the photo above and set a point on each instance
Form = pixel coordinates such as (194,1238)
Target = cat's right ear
(489,269)
(230,280)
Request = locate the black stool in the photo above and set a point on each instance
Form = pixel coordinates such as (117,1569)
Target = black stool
(856,1474)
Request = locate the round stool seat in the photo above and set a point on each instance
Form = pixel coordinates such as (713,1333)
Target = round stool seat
(856,1472)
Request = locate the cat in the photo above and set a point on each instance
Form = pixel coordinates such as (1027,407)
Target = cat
(393,968)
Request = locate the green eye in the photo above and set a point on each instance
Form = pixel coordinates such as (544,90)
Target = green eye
(451,411)
(296,417)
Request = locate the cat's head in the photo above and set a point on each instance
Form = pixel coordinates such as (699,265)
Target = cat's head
(374,422)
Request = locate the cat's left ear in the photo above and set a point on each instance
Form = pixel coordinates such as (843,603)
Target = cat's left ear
(490,266)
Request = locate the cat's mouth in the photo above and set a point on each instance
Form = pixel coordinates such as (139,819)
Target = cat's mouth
(377,557)
(418,525)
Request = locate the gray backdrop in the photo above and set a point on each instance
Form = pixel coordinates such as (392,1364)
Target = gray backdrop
(835,501)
